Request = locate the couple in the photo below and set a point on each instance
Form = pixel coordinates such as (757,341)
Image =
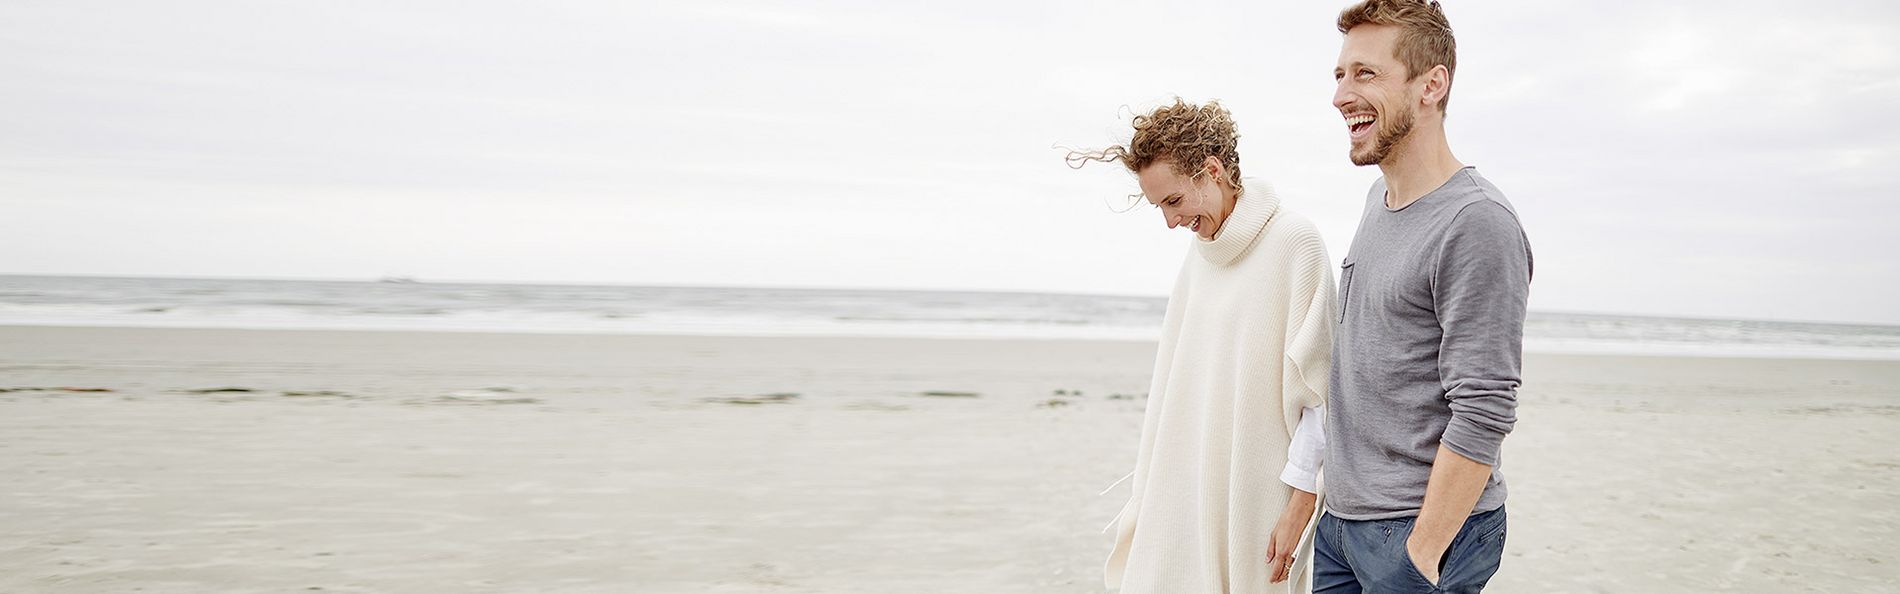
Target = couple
(1400,386)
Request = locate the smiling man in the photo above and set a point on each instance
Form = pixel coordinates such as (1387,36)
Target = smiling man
(1426,355)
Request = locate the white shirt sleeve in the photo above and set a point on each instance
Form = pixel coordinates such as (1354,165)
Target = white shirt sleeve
(1304,455)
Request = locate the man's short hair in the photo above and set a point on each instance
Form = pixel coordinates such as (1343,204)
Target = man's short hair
(1424,35)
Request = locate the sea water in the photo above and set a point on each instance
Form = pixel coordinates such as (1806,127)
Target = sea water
(495,307)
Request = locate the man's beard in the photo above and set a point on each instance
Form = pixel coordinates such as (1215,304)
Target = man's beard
(1383,142)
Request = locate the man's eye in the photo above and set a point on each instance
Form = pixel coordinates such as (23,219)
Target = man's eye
(1174,202)
(1365,74)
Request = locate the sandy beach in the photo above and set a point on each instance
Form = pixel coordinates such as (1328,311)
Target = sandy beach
(180,460)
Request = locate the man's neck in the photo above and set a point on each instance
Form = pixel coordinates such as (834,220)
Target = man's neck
(1418,165)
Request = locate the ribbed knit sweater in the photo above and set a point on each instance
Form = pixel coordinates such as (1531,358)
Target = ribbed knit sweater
(1244,347)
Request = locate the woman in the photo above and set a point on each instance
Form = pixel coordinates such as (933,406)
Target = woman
(1232,423)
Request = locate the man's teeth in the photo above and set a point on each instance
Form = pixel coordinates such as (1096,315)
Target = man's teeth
(1359,119)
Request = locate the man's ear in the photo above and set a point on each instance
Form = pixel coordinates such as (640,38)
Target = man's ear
(1213,167)
(1437,85)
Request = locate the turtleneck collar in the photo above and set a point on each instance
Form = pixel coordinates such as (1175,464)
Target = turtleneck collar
(1253,211)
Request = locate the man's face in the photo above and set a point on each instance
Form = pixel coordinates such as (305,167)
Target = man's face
(1372,93)
(1191,201)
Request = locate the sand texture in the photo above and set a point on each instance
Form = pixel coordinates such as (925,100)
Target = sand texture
(191,461)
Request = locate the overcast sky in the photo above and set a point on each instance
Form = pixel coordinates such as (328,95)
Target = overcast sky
(1714,159)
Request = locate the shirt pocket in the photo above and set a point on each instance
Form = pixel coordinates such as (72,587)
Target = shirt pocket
(1345,287)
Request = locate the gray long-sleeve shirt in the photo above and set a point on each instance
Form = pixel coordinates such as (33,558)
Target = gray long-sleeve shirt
(1428,347)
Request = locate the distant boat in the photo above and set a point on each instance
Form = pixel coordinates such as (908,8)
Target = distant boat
(398,279)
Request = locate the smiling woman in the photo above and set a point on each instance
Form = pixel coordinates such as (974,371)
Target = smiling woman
(1224,487)
(1201,148)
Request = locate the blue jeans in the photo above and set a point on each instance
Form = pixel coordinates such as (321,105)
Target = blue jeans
(1350,557)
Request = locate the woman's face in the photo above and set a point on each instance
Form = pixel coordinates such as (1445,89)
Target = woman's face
(1191,201)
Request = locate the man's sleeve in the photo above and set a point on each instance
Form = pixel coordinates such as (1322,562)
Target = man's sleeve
(1481,287)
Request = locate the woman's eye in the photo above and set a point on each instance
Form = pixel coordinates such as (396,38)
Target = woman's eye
(1174,202)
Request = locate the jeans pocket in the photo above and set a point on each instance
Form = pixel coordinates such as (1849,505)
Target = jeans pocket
(1474,557)
(1413,574)
(1402,533)
(1494,530)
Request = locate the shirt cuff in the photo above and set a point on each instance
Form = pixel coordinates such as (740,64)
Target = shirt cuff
(1306,451)
(1300,478)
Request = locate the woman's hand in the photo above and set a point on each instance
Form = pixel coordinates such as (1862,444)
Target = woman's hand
(1286,534)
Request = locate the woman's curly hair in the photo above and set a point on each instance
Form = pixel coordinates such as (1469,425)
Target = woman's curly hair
(1183,134)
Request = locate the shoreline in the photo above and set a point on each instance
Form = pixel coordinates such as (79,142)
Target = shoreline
(1575,349)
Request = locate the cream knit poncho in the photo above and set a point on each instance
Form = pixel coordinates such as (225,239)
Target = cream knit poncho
(1244,347)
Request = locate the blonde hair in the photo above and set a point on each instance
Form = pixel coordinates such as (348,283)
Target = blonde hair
(1182,134)
(1425,38)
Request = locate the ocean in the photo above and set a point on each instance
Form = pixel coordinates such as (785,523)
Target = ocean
(493,307)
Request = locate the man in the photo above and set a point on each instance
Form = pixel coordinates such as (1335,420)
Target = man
(1431,316)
